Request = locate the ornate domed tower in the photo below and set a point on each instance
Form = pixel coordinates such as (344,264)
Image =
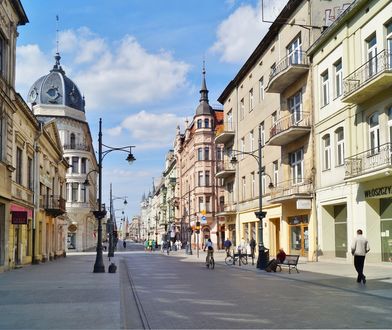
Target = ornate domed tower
(56,97)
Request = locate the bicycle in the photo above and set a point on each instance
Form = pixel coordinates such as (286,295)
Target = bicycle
(210,262)
(231,259)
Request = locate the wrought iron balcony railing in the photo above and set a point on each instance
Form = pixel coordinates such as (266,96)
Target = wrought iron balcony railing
(295,58)
(53,204)
(77,146)
(296,119)
(380,63)
(369,161)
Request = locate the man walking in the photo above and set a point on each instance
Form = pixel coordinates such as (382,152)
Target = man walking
(359,248)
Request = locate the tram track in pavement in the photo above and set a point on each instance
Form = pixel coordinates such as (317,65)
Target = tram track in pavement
(133,315)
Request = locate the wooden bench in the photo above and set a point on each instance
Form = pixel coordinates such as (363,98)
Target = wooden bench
(291,262)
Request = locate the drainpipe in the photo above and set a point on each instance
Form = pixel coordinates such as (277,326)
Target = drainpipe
(36,191)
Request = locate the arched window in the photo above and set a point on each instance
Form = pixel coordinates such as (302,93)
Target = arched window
(206,123)
(339,138)
(199,123)
(73,141)
(326,152)
(374,133)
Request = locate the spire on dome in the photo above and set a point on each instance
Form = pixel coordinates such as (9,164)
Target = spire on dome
(204,90)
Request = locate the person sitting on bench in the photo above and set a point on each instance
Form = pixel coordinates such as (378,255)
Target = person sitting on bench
(273,264)
(281,256)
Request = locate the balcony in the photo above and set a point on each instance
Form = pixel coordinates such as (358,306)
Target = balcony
(290,128)
(225,133)
(224,169)
(77,146)
(287,71)
(226,209)
(53,205)
(288,190)
(369,165)
(367,81)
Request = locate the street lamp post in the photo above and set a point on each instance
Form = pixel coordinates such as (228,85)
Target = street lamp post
(111,222)
(262,259)
(100,214)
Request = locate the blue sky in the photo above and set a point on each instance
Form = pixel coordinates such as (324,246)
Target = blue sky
(138,63)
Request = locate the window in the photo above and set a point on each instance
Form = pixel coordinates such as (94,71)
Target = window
(295,107)
(253,185)
(297,164)
(230,190)
(73,141)
(207,153)
(30,173)
(339,134)
(18,173)
(201,204)
(206,123)
(200,154)
(374,133)
(74,193)
(261,89)
(324,89)
(338,78)
(242,109)
(390,124)
(326,152)
(372,55)
(83,193)
(274,118)
(294,52)
(243,188)
(75,164)
(3,55)
(273,70)
(200,178)
(219,153)
(207,178)
(208,204)
(199,123)
(230,120)
(262,132)
(84,165)
(251,140)
(251,104)
(276,173)
(389,43)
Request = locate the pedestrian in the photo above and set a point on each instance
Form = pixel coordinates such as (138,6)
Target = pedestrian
(124,244)
(281,256)
(227,244)
(252,245)
(359,248)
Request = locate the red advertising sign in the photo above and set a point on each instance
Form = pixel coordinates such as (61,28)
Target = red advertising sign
(19,217)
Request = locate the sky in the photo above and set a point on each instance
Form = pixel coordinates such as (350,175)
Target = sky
(139,65)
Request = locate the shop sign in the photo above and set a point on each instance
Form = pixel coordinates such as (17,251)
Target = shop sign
(19,217)
(381,191)
(304,204)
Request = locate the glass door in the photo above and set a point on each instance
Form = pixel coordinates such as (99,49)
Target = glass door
(299,235)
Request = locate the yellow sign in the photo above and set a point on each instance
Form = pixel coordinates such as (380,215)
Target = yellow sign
(203,212)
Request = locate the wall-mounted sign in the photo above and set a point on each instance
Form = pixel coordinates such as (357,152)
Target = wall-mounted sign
(19,217)
(304,204)
(381,191)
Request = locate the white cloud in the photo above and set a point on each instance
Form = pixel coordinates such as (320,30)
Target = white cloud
(148,130)
(31,64)
(240,33)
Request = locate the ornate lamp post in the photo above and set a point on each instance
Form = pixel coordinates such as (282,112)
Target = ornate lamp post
(111,222)
(262,259)
(100,214)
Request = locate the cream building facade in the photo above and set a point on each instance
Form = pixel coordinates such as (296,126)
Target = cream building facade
(352,74)
(56,97)
(272,94)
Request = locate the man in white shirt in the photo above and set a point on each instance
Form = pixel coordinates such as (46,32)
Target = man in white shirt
(359,248)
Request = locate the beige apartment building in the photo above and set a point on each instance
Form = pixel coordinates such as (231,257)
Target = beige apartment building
(272,94)
(13,15)
(352,74)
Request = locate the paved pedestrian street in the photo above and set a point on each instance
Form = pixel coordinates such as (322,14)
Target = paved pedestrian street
(154,291)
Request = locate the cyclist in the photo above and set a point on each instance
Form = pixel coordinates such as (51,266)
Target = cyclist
(210,251)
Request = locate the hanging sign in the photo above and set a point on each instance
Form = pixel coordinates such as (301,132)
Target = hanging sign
(19,217)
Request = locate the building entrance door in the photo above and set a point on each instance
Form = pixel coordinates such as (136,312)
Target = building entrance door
(299,235)
(274,236)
